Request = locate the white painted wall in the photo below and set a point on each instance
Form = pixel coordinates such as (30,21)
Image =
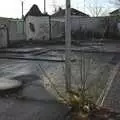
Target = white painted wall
(57,27)
(41,25)
(3,32)
(16,33)
(3,38)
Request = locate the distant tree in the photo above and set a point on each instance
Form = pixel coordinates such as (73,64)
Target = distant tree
(54,5)
(96,9)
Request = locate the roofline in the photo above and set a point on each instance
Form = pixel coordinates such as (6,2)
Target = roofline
(72,15)
(114,11)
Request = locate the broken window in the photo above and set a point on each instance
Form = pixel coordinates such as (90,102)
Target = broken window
(32,28)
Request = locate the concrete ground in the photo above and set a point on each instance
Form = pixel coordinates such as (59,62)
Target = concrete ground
(112,99)
(33,101)
(36,101)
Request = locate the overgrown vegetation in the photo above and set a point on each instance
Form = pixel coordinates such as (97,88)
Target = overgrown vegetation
(77,99)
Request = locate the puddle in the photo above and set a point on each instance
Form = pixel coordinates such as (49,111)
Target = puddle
(9,86)
(28,78)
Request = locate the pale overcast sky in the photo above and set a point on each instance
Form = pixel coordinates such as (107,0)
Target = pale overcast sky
(12,8)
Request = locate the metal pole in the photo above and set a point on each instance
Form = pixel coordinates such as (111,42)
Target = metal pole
(22,10)
(68,46)
(84,5)
(23,16)
(44,6)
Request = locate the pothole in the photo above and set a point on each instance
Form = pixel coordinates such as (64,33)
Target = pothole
(9,86)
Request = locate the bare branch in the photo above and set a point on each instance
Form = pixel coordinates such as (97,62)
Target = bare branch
(95,9)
